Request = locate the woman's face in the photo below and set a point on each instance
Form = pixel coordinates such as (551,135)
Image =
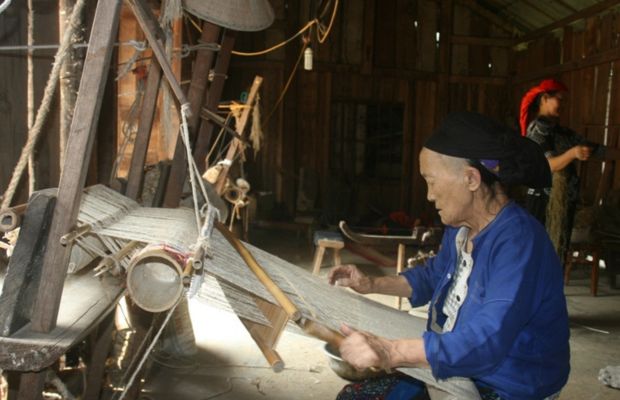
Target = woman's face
(550,105)
(448,186)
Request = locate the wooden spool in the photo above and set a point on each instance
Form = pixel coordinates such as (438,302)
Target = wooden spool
(154,279)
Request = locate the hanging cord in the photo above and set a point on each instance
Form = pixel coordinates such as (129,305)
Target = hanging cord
(322,33)
(288,83)
(44,109)
(30,95)
(194,174)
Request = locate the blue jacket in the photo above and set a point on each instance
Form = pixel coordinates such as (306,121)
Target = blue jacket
(512,330)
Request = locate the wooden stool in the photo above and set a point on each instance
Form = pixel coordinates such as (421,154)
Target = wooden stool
(326,240)
(583,250)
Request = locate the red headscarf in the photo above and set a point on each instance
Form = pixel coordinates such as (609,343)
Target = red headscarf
(548,85)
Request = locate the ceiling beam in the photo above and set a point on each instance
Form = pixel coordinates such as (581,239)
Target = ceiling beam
(605,57)
(584,13)
(482,41)
(540,10)
(566,5)
(501,23)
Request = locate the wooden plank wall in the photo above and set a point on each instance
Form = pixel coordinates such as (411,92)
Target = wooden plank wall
(13,95)
(580,55)
(376,52)
(13,99)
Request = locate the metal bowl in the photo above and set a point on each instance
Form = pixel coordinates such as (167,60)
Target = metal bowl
(345,370)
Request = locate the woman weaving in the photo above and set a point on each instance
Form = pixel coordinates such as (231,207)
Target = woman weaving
(497,310)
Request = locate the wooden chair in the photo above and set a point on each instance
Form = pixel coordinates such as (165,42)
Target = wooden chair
(584,253)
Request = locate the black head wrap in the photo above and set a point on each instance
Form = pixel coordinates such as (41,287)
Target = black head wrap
(477,137)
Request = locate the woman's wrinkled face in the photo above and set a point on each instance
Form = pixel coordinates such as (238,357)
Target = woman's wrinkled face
(448,186)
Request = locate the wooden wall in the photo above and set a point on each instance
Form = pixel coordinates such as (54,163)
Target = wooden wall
(385,52)
(582,56)
(13,99)
(426,56)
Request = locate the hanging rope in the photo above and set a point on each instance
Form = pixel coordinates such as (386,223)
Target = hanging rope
(44,109)
(30,95)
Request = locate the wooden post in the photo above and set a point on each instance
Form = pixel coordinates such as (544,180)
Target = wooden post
(213,95)
(143,134)
(400,265)
(31,385)
(96,365)
(79,146)
(445,46)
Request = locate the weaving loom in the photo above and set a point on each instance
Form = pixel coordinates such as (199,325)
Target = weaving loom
(114,217)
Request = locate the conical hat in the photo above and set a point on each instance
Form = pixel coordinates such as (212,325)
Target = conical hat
(239,15)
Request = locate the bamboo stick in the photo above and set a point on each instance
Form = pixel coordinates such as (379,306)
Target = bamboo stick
(280,297)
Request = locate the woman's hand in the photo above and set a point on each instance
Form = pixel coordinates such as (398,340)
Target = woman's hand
(363,350)
(349,276)
(581,152)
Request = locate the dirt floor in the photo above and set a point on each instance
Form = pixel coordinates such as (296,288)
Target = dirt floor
(230,366)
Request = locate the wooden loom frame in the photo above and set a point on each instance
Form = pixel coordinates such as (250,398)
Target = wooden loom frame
(46,337)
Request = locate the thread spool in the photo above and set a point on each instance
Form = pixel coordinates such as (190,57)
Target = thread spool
(154,279)
(10,218)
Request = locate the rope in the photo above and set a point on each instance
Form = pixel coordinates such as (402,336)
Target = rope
(30,95)
(288,83)
(44,109)
(148,350)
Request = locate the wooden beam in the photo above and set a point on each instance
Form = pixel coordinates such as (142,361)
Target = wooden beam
(479,80)
(150,27)
(96,364)
(31,385)
(566,5)
(213,94)
(368,36)
(597,59)
(501,23)
(540,10)
(482,41)
(584,13)
(79,146)
(143,134)
(445,50)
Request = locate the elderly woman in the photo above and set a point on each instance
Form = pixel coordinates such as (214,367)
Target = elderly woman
(497,310)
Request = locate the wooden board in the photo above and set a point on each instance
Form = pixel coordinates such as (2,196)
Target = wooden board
(85,302)
(24,270)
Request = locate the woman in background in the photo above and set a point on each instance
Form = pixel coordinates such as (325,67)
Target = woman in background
(539,120)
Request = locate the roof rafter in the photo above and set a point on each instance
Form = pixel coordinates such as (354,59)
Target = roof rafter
(501,22)
(584,13)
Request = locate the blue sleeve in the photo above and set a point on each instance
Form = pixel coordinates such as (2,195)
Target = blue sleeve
(424,278)
(498,311)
